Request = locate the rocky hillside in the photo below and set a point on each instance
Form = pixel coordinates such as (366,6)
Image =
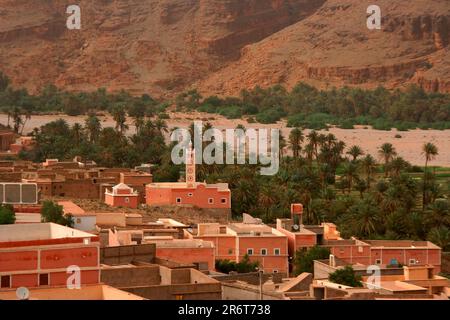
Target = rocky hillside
(221,46)
(335,47)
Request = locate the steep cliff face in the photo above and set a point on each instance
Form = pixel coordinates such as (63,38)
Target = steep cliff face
(142,45)
(334,47)
(221,46)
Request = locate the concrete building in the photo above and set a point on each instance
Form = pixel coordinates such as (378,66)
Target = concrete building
(386,252)
(38,255)
(138,270)
(122,195)
(81,219)
(156,282)
(191,192)
(7,138)
(415,282)
(190,251)
(260,242)
(88,292)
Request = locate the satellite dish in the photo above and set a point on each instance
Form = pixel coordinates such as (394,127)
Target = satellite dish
(296,227)
(23,293)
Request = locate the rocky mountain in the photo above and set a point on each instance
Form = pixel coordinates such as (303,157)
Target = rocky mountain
(163,47)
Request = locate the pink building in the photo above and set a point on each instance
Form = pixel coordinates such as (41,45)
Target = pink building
(38,255)
(260,242)
(186,251)
(387,252)
(301,236)
(191,192)
(122,195)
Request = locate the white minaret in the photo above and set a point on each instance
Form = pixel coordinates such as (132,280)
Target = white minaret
(190,166)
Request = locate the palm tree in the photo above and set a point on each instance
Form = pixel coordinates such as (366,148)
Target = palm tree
(387,152)
(430,151)
(397,165)
(17,119)
(138,123)
(439,213)
(120,117)
(77,133)
(161,126)
(355,152)
(350,172)
(440,236)
(368,164)
(296,138)
(282,145)
(267,199)
(364,217)
(93,127)
(314,138)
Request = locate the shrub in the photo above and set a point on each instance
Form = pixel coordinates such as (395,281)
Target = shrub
(304,260)
(244,266)
(7,214)
(346,277)
(52,212)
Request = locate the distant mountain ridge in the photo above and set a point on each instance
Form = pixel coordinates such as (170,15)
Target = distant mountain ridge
(163,47)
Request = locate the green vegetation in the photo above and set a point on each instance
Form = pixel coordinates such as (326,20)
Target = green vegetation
(244,266)
(378,196)
(346,277)
(19,105)
(303,106)
(51,212)
(307,107)
(304,259)
(7,214)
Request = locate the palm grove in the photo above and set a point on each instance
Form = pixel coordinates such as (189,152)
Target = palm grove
(379,196)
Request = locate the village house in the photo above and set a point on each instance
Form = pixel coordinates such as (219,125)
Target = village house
(122,195)
(190,192)
(38,255)
(260,242)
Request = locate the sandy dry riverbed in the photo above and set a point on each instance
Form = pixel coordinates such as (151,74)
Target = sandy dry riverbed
(408,146)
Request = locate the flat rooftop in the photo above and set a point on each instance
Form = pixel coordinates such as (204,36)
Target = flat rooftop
(184,185)
(39,231)
(401,244)
(71,208)
(251,229)
(399,286)
(179,243)
(90,292)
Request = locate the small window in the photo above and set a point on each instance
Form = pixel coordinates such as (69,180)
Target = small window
(223,200)
(230,251)
(360,249)
(190,194)
(178,200)
(264,252)
(276,251)
(412,261)
(275,271)
(250,252)
(43,279)
(210,200)
(378,261)
(127,200)
(5,282)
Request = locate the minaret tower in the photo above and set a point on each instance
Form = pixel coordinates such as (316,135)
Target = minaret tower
(190,166)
